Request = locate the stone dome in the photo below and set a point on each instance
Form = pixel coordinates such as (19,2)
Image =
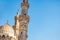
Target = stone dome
(7,30)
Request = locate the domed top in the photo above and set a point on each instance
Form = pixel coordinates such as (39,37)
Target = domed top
(7,27)
(7,30)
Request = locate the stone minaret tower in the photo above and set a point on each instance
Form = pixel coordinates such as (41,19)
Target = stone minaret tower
(24,20)
(16,26)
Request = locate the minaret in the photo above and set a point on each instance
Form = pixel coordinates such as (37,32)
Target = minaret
(24,20)
(16,26)
(25,6)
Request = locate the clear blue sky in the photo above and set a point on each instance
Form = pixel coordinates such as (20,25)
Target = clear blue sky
(44,17)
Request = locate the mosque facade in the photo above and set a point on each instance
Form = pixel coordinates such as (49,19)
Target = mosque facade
(19,30)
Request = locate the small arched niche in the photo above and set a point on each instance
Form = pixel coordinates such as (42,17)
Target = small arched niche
(3,36)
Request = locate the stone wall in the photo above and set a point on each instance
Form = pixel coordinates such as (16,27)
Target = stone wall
(6,38)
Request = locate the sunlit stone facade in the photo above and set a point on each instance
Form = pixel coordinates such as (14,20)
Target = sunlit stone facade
(19,30)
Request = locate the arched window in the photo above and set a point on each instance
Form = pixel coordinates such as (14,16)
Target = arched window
(21,32)
(3,36)
(7,36)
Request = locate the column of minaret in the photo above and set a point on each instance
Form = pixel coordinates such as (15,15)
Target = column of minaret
(21,22)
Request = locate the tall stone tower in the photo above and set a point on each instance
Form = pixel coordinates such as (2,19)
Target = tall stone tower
(17,26)
(23,20)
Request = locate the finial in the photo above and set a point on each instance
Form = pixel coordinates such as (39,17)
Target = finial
(17,12)
(7,22)
(25,1)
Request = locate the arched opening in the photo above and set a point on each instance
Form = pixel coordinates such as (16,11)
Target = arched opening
(3,36)
(21,32)
(7,36)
